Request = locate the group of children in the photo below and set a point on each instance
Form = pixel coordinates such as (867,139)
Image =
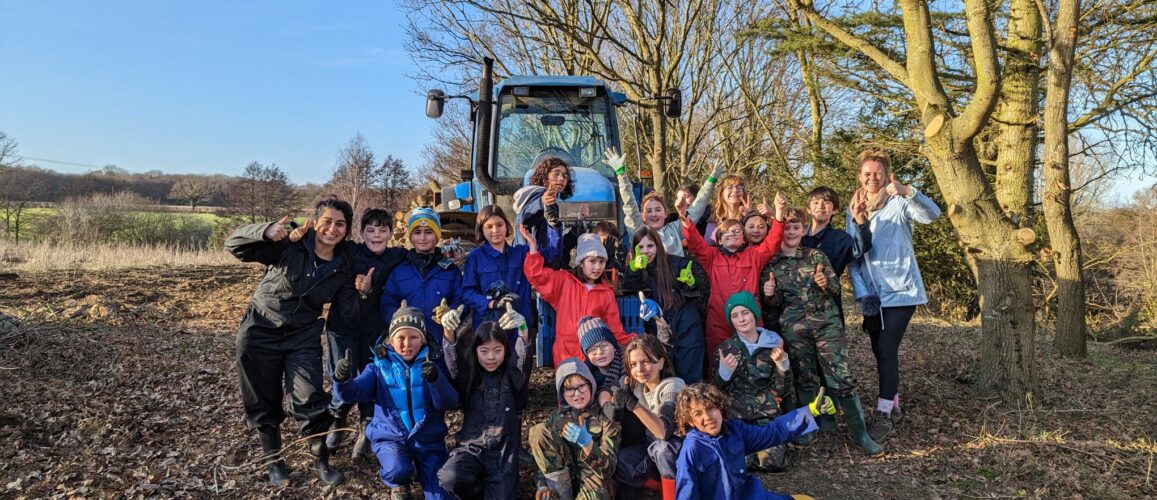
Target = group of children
(689,407)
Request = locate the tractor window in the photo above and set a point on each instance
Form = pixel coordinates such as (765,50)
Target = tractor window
(552,120)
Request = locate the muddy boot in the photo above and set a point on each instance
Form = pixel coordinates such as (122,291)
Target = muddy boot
(897,416)
(559,484)
(827,423)
(320,452)
(275,465)
(854,416)
(362,447)
(804,397)
(882,426)
(401,493)
(773,459)
(337,430)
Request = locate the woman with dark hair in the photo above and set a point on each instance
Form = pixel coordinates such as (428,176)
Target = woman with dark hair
(676,284)
(492,276)
(278,340)
(492,378)
(536,207)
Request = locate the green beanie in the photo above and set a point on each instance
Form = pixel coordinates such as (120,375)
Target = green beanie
(742,299)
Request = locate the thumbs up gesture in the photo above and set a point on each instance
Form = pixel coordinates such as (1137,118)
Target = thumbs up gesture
(780,206)
(686,276)
(276,231)
(639,262)
(299,232)
(452,319)
(763,208)
(512,319)
(895,188)
(820,278)
(769,285)
(364,283)
(344,367)
(439,310)
(821,405)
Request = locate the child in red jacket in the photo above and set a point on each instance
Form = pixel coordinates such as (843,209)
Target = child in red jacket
(576,294)
(733,266)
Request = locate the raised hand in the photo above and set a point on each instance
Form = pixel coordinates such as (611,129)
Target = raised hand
(615,160)
(821,405)
(550,197)
(299,232)
(364,283)
(895,188)
(429,371)
(746,202)
(780,206)
(584,211)
(859,211)
(577,434)
(528,235)
(276,232)
(648,309)
(820,278)
(440,309)
(639,261)
(512,319)
(624,398)
(452,319)
(344,367)
(686,276)
(769,285)
(730,361)
(763,208)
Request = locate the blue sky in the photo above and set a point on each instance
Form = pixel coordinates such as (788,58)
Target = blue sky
(207,86)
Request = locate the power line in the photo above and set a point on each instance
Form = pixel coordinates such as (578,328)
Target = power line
(61,162)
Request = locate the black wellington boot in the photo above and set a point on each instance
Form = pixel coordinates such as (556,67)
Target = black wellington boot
(275,465)
(337,431)
(320,452)
(362,448)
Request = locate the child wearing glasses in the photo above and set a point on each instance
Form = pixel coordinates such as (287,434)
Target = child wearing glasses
(575,449)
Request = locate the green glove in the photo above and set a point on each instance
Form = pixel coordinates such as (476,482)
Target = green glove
(822,405)
(686,277)
(639,262)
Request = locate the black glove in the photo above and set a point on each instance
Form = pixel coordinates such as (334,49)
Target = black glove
(624,398)
(429,371)
(507,298)
(612,411)
(342,370)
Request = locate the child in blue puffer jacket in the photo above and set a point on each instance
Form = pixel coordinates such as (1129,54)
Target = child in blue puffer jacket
(411,394)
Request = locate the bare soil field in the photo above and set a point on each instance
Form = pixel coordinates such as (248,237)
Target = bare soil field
(121,384)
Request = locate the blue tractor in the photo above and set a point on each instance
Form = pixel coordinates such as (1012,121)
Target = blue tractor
(524,119)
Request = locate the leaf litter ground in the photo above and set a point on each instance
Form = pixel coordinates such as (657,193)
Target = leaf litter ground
(122,384)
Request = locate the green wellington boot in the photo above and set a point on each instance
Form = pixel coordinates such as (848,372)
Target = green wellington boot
(854,416)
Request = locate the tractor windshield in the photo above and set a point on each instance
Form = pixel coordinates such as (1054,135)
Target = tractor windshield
(552,120)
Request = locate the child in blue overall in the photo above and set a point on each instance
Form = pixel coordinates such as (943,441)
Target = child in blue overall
(411,394)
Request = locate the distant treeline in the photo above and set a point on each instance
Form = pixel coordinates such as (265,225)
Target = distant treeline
(43,185)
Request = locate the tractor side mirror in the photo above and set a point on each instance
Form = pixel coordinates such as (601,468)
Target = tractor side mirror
(673,105)
(435,102)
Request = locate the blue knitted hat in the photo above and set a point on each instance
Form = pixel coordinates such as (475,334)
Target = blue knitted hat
(426,217)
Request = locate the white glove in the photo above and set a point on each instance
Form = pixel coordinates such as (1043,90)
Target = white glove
(453,318)
(512,319)
(615,160)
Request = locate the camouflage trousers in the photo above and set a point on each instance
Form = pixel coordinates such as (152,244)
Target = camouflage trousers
(816,350)
(553,453)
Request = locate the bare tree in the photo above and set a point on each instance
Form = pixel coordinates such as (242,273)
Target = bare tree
(17,190)
(263,193)
(397,185)
(356,175)
(194,191)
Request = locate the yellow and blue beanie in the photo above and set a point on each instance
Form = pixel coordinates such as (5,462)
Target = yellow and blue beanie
(425,217)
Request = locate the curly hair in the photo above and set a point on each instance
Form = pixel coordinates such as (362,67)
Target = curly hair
(704,394)
(542,172)
(794,214)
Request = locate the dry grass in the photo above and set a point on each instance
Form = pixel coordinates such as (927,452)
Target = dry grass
(40,257)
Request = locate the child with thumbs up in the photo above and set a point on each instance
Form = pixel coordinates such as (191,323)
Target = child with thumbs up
(803,286)
(354,320)
(711,463)
(675,285)
(411,391)
(493,378)
(425,278)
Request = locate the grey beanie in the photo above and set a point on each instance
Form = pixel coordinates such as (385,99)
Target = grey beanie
(589,245)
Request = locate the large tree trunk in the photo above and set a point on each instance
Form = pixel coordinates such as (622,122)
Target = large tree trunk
(1063,237)
(1007,366)
(659,149)
(1016,114)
